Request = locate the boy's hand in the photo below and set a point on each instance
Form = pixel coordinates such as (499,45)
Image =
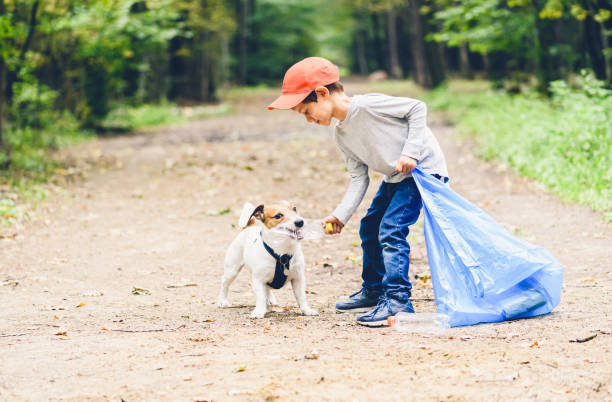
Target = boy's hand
(405,164)
(336,224)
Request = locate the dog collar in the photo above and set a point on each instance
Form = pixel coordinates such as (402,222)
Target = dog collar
(282,267)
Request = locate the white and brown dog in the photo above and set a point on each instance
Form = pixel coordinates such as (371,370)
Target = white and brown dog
(269,244)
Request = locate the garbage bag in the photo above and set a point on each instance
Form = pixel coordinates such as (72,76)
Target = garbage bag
(481,272)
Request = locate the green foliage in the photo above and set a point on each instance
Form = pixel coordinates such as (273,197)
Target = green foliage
(485,25)
(107,39)
(285,32)
(565,143)
(30,145)
(8,211)
(33,104)
(37,126)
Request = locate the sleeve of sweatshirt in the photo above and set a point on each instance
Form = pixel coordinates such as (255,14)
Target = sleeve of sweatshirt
(355,191)
(415,112)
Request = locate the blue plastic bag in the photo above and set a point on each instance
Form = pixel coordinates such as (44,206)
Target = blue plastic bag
(481,272)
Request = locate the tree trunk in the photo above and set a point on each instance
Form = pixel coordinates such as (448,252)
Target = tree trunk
(2,145)
(606,34)
(244,18)
(204,74)
(548,65)
(605,45)
(441,49)
(4,159)
(378,45)
(593,43)
(31,30)
(466,70)
(12,75)
(141,91)
(422,75)
(360,43)
(394,67)
(224,76)
(486,61)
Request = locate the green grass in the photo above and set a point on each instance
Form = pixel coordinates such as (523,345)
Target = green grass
(127,118)
(564,142)
(238,92)
(32,163)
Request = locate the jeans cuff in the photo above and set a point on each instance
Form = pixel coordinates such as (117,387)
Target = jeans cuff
(403,297)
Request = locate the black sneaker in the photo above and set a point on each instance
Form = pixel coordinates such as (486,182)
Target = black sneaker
(385,308)
(359,302)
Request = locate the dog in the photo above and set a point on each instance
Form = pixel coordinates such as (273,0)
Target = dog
(269,244)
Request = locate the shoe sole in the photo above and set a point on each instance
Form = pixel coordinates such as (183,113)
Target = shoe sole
(373,324)
(355,310)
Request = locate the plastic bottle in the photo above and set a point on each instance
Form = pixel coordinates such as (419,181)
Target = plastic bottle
(312,230)
(430,323)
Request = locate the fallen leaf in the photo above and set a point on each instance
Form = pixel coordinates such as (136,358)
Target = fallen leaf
(211,212)
(181,285)
(241,369)
(80,304)
(535,343)
(61,333)
(582,340)
(140,291)
(197,339)
(314,355)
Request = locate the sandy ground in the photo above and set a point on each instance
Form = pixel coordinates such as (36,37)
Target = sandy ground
(74,327)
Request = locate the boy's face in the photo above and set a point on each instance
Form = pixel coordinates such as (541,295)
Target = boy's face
(319,112)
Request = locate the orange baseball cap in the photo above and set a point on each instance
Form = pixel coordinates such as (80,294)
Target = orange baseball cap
(302,78)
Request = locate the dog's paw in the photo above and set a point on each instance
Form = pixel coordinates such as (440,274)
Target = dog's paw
(310,311)
(272,301)
(258,314)
(223,303)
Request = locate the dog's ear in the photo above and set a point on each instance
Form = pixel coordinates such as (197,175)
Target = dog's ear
(258,213)
(249,211)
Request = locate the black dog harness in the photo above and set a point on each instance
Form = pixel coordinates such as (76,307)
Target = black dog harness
(281,269)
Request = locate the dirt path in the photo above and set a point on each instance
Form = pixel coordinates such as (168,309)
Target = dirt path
(142,219)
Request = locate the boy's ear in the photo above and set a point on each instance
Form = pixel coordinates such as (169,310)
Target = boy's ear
(322,92)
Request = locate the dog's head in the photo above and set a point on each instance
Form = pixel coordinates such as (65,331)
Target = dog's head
(281,217)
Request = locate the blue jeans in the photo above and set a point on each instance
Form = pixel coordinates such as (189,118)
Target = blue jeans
(383,233)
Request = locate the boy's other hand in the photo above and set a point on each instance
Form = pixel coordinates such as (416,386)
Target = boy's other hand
(336,224)
(405,164)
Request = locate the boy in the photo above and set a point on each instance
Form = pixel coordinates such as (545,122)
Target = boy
(388,135)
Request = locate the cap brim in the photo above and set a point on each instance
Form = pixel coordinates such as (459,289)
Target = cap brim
(287,101)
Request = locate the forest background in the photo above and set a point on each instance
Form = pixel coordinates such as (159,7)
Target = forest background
(530,79)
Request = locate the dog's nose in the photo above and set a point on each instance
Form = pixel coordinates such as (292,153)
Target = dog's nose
(299,223)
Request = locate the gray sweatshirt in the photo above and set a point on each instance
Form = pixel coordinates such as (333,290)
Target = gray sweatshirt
(376,131)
